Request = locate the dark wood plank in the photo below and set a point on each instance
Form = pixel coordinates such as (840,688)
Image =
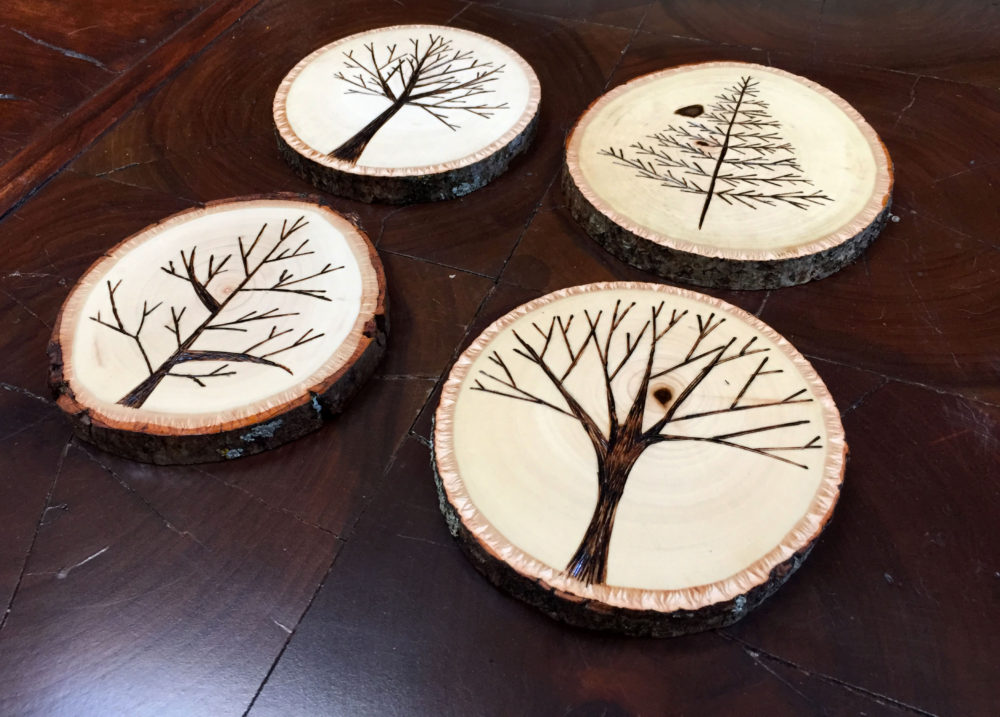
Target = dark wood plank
(70,131)
(788,25)
(131,574)
(34,94)
(897,595)
(47,247)
(920,306)
(618,13)
(962,47)
(556,252)
(403,608)
(432,306)
(893,35)
(508,203)
(29,428)
(101,32)
(327,480)
(204,571)
(222,108)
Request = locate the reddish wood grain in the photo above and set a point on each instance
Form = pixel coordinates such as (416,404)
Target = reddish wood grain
(962,45)
(76,123)
(111,551)
(327,561)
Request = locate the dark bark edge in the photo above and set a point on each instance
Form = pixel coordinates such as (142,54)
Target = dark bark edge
(408,190)
(595,615)
(690,268)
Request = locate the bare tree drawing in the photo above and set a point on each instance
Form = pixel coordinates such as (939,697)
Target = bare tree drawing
(257,352)
(556,352)
(733,151)
(434,77)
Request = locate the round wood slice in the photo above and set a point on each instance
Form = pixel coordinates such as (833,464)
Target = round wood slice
(728,174)
(720,469)
(220,332)
(408,113)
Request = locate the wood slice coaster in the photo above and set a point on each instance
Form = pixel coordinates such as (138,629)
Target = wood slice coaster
(220,332)
(408,113)
(636,457)
(728,174)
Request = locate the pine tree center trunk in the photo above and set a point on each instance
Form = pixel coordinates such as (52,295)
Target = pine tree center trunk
(722,157)
(590,561)
(351,149)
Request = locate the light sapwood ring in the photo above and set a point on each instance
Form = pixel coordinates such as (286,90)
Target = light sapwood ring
(350,120)
(166,351)
(728,174)
(711,517)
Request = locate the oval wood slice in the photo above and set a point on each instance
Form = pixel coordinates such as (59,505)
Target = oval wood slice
(636,457)
(408,113)
(728,174)
(220,332)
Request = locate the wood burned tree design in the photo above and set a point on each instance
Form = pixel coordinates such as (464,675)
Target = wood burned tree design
(620,434)
(733,150)
(433,76)
(198,323)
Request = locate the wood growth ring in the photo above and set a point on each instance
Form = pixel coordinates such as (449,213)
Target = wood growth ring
(406,113)
(220,331)
(636,457)
(728,174)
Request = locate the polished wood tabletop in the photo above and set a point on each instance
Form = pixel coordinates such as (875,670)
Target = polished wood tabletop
(320,578)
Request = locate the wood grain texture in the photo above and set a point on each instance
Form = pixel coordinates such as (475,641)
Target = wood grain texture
(454,76)
(502,466)
(40,154)
(230,413)
(797,182)
(328,577)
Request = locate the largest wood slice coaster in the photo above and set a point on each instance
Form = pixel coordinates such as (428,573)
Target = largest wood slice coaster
(636,457)
(728,174)
(407,113)
(220,332)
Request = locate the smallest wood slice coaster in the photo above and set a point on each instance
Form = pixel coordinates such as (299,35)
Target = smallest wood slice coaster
(636,457)
(728,174)
(220,332)
(408,113)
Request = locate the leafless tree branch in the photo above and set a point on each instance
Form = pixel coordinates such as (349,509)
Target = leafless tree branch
(252,262)
(119,325)
(736,132)
(600,334)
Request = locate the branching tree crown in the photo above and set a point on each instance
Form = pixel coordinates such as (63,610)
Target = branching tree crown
(620,434)
(733,151)
(190,339)
(430,75)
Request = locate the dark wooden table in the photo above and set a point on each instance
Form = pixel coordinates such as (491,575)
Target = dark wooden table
(320,578)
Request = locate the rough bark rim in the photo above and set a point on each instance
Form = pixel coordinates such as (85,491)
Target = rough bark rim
(369,328)
(489,542)
(294,142)
(869,215)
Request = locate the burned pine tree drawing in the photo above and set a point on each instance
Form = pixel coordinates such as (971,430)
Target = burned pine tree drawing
(197,340)
(537,367)
(431,75)
(732,150)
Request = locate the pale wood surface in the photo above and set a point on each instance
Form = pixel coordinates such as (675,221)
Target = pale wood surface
(715,462)
(728,174)
(219,320)
(406,113)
